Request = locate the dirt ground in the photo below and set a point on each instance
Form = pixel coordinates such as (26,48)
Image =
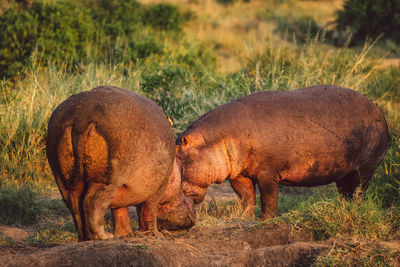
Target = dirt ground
(245,244)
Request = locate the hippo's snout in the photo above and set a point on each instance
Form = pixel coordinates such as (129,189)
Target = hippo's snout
(194,192)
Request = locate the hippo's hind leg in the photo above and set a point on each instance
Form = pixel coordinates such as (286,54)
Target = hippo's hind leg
(268,194)
(245,188)
(122,222)
(62,163)
(95,204)
(350,182)
(73,202)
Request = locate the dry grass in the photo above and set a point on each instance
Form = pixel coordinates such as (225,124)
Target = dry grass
(361,253)
(217,213)
(239,31)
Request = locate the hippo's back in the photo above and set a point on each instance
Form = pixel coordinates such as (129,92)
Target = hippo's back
(315,129)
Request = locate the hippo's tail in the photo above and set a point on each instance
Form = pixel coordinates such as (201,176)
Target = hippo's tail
(82,156)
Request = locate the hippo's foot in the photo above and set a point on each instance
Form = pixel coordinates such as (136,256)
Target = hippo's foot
(154,233)
(167,234)
(101,236)
(127,236)
(124,235)
(146,234)
(122,222)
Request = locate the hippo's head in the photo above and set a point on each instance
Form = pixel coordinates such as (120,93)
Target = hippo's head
(175,210)
(202,163)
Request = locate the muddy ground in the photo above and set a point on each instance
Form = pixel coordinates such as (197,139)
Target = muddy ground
(244,244)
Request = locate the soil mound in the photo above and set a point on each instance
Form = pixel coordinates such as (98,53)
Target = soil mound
(207,245)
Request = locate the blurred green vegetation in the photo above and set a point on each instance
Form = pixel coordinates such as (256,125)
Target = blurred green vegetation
(370,19)
(69,32)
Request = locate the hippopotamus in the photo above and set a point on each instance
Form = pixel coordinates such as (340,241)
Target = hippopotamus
(113,148)
(308,137)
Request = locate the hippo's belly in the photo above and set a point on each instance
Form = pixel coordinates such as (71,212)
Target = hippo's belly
(313,171)
(136,190)
(130,196)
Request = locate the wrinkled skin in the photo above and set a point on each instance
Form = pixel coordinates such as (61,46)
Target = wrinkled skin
(112,148)
(175,211)
(309,137)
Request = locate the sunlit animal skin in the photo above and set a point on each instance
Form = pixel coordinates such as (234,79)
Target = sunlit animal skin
(308,137)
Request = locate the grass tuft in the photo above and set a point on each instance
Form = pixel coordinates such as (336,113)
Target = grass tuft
(216,213)
(358,218)
(359,253)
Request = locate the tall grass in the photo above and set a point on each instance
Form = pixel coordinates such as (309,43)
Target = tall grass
(358,218)
(361,253)
(183,88)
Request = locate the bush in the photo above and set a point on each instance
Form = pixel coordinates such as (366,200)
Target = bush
(164,17)
(370,18)
(128,52)
(114,17)
(301,29)
(70,32)
(59,31)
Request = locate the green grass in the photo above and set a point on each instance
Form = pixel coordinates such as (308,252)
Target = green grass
(24,206)
(19,206)
(361,254)
(58,232)
(361,217)
(5,241)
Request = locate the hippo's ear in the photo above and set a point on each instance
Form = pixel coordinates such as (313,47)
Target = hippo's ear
(171,120)
(184,141)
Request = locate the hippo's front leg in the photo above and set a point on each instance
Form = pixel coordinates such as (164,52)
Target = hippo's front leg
(147,212)
(268,195)
(245,188)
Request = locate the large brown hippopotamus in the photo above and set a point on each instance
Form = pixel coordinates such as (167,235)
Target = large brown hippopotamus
(308,137)
(113,148)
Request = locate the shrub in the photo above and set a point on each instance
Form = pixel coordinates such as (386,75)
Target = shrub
(164,17)
(301,29)
(59,31)
(164,87)
(72,32)
(114,17)
(370,18)
(128,52)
